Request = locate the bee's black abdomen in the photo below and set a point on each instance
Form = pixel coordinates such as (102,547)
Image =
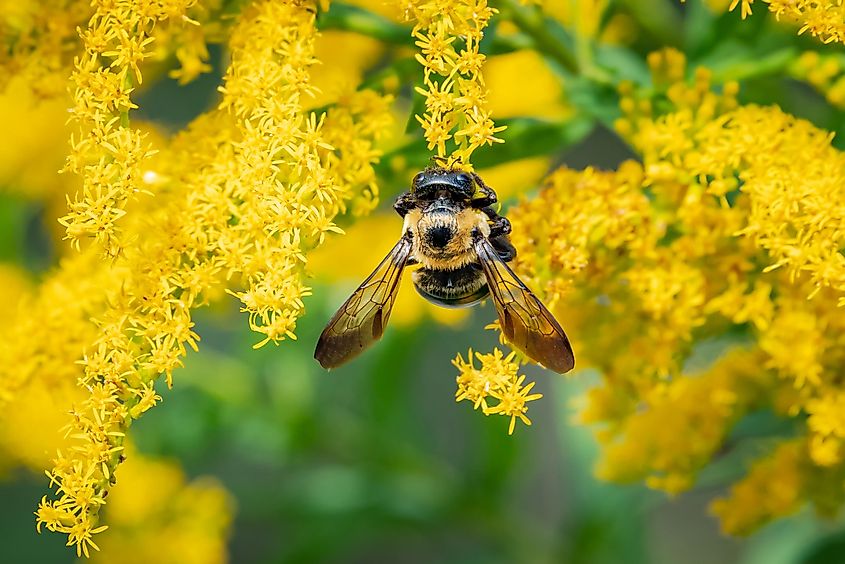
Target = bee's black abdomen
(461,287)
(438,237)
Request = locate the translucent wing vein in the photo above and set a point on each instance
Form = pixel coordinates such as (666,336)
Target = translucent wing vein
(525,321)
(361,320)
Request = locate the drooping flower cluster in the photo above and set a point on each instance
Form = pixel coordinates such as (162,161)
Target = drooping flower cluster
(235,202)
(732,225)
(496,380)
(288,179)
(449,35)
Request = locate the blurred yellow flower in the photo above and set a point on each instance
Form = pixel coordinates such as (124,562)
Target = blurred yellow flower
(774,487)
(539,94)
(735,215)
(824,72)
(344,57)
(38,128)
(157,516)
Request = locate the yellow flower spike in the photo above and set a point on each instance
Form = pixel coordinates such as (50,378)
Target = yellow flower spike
(242,196)
(453,86)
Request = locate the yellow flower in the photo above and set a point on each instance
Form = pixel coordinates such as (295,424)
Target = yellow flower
(823,19)
(496,379)
(453,85)
(732,224)
(233,203)
(106,153)
(746,7)
(512,401)
(540,93)
(35,41)
(679,426)
(773,487)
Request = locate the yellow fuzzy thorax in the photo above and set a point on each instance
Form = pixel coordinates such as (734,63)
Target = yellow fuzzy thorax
(459,251)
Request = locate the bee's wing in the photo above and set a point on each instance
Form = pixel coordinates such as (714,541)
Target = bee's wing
(525,321)
(361,319)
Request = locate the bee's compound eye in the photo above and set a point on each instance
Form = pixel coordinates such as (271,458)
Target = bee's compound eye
(463,178)
(418,178)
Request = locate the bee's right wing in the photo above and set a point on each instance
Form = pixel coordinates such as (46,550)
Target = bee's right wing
(361,319)
(525,321)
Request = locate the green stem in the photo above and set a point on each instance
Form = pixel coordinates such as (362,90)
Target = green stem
(583,52)
(352,18)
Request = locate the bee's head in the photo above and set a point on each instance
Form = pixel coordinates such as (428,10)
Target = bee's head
(453,188)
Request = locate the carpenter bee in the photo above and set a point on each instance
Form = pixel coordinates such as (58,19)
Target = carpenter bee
(462,248)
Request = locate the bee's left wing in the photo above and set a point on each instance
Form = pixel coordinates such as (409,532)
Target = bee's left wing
(361,319)
(525,321)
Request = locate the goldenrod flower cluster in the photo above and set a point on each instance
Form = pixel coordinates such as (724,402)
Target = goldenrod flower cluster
(823,19)
(38,40)
(232,203)
(106,153)
(448,34)
(155,507)
(497,380)
(731,225)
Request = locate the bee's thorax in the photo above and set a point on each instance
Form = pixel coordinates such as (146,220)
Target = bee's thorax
(443,238)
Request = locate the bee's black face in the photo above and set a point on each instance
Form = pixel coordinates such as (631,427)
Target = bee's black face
(440,183)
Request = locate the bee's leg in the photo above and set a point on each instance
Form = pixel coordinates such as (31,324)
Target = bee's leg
(503,247)
(498,225)
(405,203)
(488,197)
